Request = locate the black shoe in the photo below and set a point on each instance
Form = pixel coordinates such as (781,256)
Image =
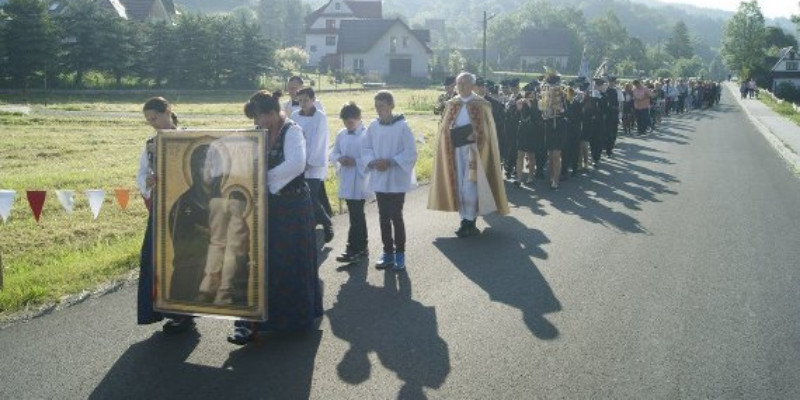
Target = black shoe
(328,230)
(351,257)
(471,231)
(517,183)
(241,336)
(553,186)
(175,326)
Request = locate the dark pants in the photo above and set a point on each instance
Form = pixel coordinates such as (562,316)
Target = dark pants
(357,235)
(612,126)
(642,120)
(682,103)
(390,210)
(319,212)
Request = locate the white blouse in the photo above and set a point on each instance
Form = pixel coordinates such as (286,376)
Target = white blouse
(353,180)
(145,169)
(294,163)
(315,129)
(394,142)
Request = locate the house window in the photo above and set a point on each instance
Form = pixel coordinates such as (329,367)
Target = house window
(405,42)
(330,40)
(792,65)
(393,45)
(312,48)
(337,6)
(330,24)
(358,65)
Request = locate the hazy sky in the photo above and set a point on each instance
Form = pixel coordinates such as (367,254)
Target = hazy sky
(770,8)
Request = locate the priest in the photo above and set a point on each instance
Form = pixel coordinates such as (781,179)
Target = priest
(466,176)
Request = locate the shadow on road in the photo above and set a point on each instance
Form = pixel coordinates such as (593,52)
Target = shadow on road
(619,181)
(499,262)
(402,332)
(281,368)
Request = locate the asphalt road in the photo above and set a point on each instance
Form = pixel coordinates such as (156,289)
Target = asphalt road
(671,272)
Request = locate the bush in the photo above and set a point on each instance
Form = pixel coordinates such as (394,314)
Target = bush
(788,91)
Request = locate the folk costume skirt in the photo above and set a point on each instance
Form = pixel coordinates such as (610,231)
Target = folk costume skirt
(294,297)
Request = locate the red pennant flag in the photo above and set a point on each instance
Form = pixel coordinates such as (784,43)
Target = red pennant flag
(36,201)
(123,195)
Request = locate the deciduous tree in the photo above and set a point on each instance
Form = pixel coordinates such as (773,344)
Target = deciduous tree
(743,41)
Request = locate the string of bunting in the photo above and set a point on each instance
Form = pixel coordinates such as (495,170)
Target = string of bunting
(66,198)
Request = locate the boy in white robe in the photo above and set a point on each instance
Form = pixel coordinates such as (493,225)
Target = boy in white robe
(315,129)
(353,180)
(390,153)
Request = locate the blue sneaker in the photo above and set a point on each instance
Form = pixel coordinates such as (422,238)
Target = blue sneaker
(386,261)
(399,262)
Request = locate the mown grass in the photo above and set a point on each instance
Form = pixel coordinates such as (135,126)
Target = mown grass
(784,109)
(94,142)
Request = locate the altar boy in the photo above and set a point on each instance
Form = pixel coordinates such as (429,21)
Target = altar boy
(346,155)
(390,153)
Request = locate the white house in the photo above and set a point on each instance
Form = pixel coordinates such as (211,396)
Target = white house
(323,25)
(787,69)
(384,49)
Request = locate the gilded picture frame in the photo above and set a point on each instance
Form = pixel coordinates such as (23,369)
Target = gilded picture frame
(210,224)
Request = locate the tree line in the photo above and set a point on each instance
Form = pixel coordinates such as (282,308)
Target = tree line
(38,49)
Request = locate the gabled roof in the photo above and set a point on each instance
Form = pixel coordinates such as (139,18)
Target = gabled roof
(140,9)
(545,42)
(787,53)
(126,9)
(360,9)
(58,6)
(359,35)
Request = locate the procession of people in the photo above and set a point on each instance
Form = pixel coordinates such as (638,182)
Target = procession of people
(488,134)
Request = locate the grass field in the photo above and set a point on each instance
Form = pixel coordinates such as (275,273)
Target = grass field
(82,142)
(784,109)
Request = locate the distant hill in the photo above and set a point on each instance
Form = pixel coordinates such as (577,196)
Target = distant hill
(650,20)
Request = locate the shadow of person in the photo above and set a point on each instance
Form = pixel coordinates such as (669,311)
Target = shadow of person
(386,321)
(152,368)
(500,263)
(280,368)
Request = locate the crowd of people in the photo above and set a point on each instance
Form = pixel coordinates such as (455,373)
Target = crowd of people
(548,129)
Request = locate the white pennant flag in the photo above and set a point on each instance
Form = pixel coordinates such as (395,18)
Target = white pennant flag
(6,201)
(67,200)
(96,197)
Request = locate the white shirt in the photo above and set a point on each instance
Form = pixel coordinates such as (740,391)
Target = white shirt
(145,169)
(353,180)
(393,142)
(294,163)
(289,108)
(463,115)
(315,129)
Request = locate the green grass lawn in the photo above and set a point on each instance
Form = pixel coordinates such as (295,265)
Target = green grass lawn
(784,109)
(98,148)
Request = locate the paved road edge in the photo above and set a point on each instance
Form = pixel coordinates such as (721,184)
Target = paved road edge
(792,158)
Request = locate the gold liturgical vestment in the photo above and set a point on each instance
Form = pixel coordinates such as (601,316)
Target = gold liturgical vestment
(443,195)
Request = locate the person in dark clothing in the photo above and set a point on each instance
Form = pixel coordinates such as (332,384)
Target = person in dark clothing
(512,118)
(613,98)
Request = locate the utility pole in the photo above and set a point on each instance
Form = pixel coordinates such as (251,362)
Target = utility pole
(485,21)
